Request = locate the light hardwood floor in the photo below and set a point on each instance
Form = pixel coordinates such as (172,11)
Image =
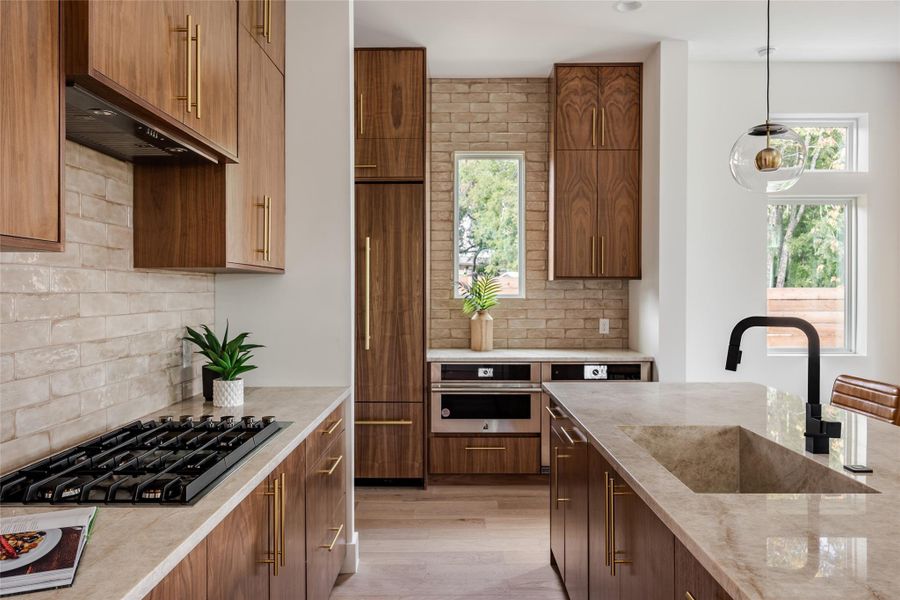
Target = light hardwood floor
(453,542)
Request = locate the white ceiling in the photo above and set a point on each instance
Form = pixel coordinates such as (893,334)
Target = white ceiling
(480,38)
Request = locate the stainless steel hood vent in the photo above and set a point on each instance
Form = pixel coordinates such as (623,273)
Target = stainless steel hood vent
(96,123)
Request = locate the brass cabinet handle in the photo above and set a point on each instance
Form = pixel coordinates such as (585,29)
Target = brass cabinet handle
(688,596)
(189,96)
(611,494)
(485,448)
(593,127)
(199,73)
(368,330)
(553,415)
(277,518)
(331,429)
(606,518)
(602,255)
(602,126)
(366,166)
(568,437)
(283,512)
(266,205)
(399,422)
(582,439)
(362,123)
(556,457)
(268,17)
(593,255)
(337,461)
(337,533)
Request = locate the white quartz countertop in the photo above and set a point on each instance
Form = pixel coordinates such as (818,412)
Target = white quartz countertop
(133,548)
(758,546)
(535,355)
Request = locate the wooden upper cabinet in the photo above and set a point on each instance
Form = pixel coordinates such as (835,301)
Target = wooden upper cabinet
(215,72)
(618,174)
(390,93)
(390,290)
(264,19)
(620,102)
(577,108)
(172,62)
(575,214)
(31,127)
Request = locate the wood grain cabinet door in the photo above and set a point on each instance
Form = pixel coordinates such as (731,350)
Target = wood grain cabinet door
(574,472)
(648,545)
(577,108)
(390,248)
(390,440)
(137,45)
(31,126)
(620,103)
(264,20)
(237,547)
(692,578)
(390,93)
(291,578)
(187,581)
(575,214)
(275,162)
(557,508)
(325,533)
(618,175)
(215,72)
(601,583)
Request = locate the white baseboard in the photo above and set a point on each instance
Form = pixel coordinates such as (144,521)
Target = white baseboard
(351,560)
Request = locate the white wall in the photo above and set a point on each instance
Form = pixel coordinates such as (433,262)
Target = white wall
(305,317)
(726,247)
(657,302)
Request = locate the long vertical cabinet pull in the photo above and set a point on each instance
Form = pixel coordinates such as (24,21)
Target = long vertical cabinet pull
(277,520)
(266,249)
(199,73)
(593,128)
(368,331)
(603,255)
(611,530)
(283,512)
(606,520)
(593,255)
(268,18)
(602,126)
(362,124)
(189,84)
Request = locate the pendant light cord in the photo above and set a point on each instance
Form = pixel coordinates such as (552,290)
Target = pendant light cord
(768,51)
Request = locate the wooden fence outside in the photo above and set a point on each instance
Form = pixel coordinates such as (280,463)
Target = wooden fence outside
(823,307)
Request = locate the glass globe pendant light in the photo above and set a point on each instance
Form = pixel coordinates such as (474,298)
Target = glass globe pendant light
(769,157)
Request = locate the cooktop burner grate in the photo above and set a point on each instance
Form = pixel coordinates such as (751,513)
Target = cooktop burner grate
(145,462)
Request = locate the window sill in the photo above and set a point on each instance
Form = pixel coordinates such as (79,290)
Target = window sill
(823,355)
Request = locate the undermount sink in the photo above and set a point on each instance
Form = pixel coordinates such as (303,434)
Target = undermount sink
(734,460)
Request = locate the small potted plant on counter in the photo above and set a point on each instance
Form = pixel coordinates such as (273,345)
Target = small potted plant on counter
(480,295)
(227,359)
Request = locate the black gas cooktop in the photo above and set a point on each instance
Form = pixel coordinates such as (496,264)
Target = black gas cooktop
(165,461)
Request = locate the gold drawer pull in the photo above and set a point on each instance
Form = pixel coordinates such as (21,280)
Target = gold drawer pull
(603,126)
(337,461)
(337,533)
(266,205)
(331,429)
(283,512)
(366,166)
(689,596)
(558,500)
(553,415)
(401,422)
(189,96)
(593,127)
(485,448)
(368,319)
(277,507)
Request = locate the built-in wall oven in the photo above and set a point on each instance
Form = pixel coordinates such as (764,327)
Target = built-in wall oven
(485,398)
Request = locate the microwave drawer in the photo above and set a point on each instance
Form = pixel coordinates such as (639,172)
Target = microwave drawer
(491,411)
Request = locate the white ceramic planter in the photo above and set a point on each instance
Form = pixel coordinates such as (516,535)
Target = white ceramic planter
(228,393)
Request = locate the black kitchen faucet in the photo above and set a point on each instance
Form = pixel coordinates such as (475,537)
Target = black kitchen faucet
(818,431)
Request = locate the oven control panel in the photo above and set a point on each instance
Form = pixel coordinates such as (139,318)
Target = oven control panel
(595,371)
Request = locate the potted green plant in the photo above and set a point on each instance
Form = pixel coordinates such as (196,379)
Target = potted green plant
(226,355)
(479,296)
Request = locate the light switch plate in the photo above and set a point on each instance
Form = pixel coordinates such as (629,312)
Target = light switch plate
(604,326)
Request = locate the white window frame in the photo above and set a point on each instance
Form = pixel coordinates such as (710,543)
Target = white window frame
(510,155)
(851,267)
(857,125)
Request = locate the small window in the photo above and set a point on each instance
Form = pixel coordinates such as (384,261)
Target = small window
(831,142)
(489,222)
(811,259)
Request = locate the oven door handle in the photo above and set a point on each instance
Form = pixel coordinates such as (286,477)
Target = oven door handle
(481,390)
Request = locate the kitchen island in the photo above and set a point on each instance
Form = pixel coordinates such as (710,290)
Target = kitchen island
(133,548)
(791,529)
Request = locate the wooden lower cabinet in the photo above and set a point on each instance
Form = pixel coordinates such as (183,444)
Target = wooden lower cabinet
(237,547)
(390,440)
(325,512)
(187,581)
(484,455)
(569,507)
(291,476)
(557,509)
(691,578)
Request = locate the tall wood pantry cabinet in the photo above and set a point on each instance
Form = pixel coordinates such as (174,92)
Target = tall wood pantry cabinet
(390,263)
(32,127)
(225,217)
(596,171)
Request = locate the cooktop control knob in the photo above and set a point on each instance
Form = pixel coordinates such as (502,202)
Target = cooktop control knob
(205,418)
(268,420)
(227,419)
(249,419)
(187,418)
(165,419)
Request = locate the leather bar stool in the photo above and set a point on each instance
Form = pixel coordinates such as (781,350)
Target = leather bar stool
(872,398)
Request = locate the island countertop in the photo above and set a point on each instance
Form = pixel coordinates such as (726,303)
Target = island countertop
(758,546)
(133,548)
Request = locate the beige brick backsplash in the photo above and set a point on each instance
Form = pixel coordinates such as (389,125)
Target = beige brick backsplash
(512,115)
(87,342)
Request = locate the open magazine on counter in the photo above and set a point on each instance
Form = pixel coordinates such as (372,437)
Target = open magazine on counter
(42,551)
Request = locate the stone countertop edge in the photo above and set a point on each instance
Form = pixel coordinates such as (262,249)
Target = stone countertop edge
(536,354)
(719,570)
(247,475)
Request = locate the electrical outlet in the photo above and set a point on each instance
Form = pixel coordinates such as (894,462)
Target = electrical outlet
(604,326)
